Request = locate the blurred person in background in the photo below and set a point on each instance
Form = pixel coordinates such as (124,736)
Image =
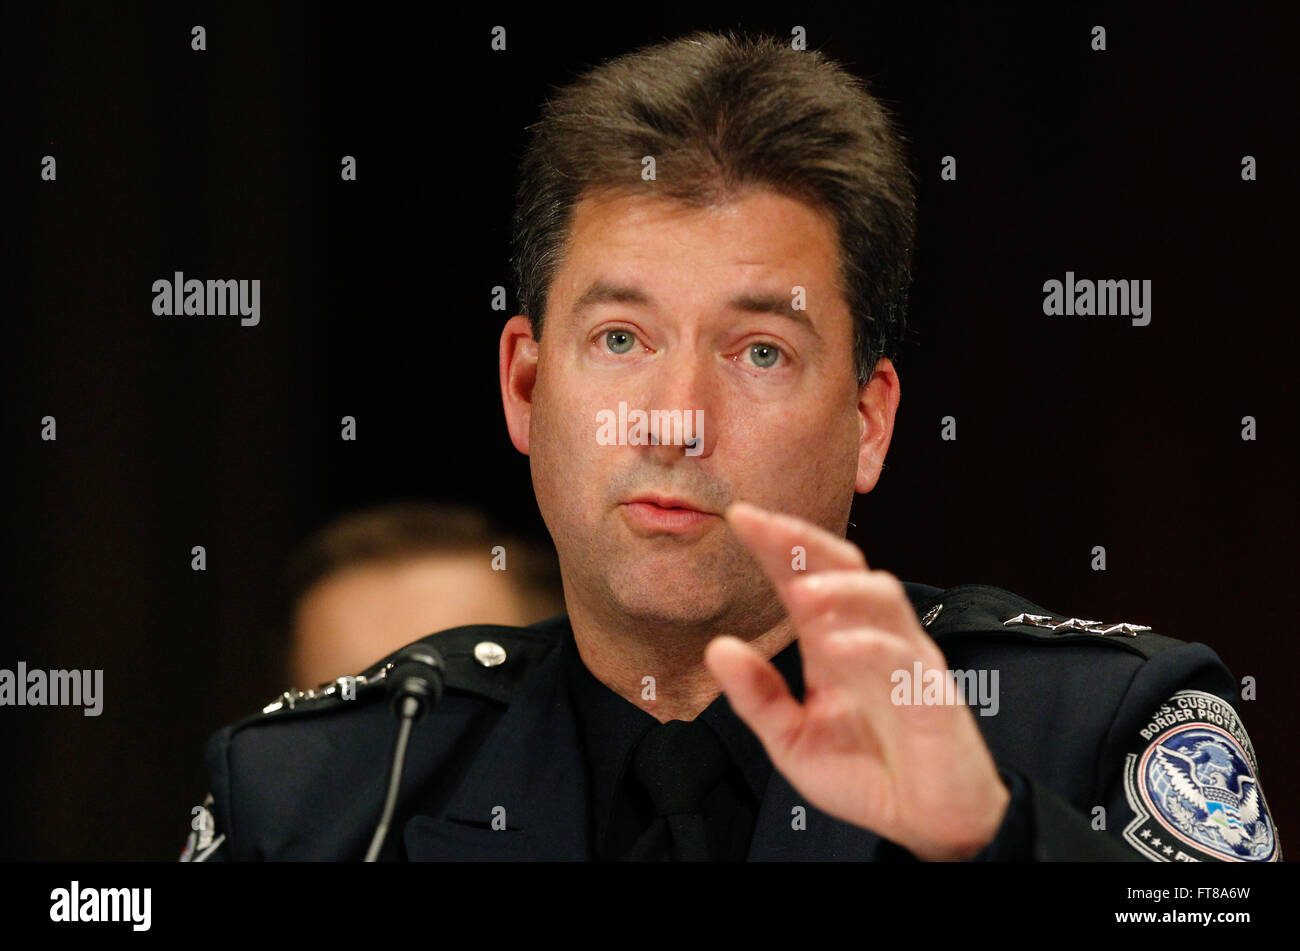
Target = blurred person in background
(374,580)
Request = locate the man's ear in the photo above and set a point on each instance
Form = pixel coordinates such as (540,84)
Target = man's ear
(518,370)
(877,406)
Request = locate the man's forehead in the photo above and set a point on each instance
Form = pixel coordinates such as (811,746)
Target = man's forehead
(777,249)
(613,208)
(604,291)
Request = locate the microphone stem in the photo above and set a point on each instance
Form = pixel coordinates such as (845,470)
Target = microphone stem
(410,707)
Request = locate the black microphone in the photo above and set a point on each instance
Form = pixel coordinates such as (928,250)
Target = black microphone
(415,686)
(418,673)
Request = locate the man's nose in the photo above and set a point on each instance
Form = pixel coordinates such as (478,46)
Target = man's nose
(685,394)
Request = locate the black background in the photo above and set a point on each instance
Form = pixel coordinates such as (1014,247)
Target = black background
(175,432)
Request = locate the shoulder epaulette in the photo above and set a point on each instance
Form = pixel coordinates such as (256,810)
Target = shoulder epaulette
(984,610)
(488,660)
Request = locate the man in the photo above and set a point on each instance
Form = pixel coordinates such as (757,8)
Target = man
(712,247)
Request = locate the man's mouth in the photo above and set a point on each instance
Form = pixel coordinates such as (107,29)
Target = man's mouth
(661,514)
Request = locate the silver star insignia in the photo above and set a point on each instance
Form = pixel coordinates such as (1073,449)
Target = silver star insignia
(1123,628)
(1076,624)
(1034,619)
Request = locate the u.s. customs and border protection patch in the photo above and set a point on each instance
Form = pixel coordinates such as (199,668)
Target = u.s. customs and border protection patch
(1193,789)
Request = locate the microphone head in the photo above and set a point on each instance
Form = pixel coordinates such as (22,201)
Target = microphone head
(418,672)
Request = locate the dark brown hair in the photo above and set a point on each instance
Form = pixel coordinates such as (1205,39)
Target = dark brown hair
(720,113)
(400,531)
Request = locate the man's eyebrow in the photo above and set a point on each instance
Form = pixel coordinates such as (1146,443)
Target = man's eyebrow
(602,292)
(778,304)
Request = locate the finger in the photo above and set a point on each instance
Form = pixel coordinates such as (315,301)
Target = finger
(757,693)
(788,547)
(839,600)
(865,661)
(865,667)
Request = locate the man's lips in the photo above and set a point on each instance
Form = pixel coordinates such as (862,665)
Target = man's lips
(663,514)
(669,502)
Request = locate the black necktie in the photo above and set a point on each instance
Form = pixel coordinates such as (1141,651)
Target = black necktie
(678,764)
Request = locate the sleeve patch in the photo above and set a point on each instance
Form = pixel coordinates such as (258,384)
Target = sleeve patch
(202,841)
(1193,789)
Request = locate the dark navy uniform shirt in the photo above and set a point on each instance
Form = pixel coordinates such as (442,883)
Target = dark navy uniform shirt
(611,727)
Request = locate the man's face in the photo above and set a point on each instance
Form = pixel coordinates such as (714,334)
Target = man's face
(667,308)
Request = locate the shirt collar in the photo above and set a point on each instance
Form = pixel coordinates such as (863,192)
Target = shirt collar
(611,726)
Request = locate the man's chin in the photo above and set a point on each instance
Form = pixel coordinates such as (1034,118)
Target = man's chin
(671,602)
(674,614)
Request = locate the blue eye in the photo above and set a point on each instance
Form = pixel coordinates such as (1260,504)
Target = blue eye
(619,341)
(764,355)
